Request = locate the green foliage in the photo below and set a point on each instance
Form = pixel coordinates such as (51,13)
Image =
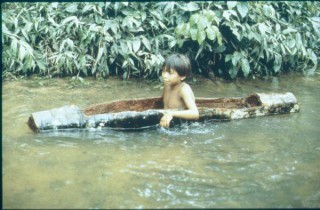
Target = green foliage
(131,39)
(271,38)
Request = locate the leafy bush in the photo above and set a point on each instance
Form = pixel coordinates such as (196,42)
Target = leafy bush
(131,39)
(241,38)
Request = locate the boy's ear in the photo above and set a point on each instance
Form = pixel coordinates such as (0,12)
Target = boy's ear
(183,78)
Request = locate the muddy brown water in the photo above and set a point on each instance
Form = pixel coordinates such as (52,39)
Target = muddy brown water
(270,161)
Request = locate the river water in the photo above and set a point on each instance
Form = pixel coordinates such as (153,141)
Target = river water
(270,161)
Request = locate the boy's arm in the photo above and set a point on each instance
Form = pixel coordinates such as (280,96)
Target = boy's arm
(191,113)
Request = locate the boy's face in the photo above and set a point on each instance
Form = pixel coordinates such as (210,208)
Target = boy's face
(171,77)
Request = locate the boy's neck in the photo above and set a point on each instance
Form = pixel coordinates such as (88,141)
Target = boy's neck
(176,86)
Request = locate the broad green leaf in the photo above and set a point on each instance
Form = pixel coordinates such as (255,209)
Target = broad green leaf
(172,43)
(28,27)
(25,34)
(298,40)
(62,45)
(41,64)
(210,15)
(14,44)
(157,44)
(242,8)
(233,72)
(180,42)
(143,15)
(131,62)
(263,28)
(269,53)
(125,3)
(236,57)
(294,51)
(125,75)
(70,43)
(138,22)
(68,19)
(268,10)
(129,44)
(219,38)
(231,4)
(218,4)
(211,33)
(156,14)
(55,4)
(285,46)
(162,24)
(278,28)
(27,64)
(313,58)
(186,30)
(146,42)
(283,49)
(193,33)
(100,52)
(291,43)
(257,37)
(227,14)
(199,52)
(22,52)
(169,7)
(16,20)
(51,20)
(136,45)
(202,23)
(201,36)
(236,33)
(191,6)
(289,30)
(72,8)
(114,28)
(315,21)
(228,57)
(194,19)
(124,48)
(304,52)
(178,29)
(245,67)
(87,7)
(277,62)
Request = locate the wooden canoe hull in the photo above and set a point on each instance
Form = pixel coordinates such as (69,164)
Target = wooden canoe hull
(139,113)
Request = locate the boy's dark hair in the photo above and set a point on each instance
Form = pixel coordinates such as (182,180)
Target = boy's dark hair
(178,62)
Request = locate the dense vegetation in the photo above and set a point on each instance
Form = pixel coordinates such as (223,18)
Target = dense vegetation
(131,39)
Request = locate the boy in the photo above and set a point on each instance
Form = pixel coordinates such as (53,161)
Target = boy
(177,94)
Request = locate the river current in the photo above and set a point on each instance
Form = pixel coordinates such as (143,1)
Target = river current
(268,162)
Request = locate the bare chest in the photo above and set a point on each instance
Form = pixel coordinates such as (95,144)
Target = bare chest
(173,100)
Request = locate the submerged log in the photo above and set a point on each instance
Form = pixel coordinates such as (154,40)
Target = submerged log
(138,113)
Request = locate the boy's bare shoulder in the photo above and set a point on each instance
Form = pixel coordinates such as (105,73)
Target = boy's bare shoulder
(186,90)
(185,87)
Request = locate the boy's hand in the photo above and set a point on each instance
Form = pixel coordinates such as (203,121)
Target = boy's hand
(165,120)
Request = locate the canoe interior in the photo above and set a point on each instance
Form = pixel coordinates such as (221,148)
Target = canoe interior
(156,103)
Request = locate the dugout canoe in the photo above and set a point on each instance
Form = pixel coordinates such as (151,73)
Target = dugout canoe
(140,113)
